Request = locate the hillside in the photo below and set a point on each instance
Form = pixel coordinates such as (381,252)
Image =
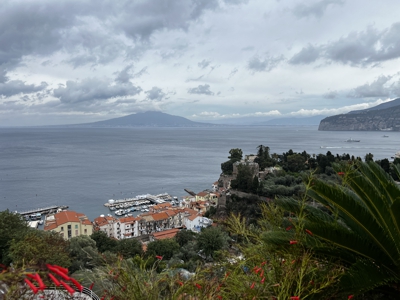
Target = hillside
(385,116)
(147,119)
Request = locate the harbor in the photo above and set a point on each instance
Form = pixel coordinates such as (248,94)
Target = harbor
(43,210)
(139,203)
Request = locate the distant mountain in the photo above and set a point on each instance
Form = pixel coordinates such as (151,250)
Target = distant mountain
(385,116)
(147,119)
(315,120)
(267,121)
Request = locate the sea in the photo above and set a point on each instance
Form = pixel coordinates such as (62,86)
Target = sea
(85,167)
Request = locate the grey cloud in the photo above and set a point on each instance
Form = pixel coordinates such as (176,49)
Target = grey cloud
(307,55)
(204,63)
(124,76)
(249,48)
(256,64)
(93,89)
(375,89)
(233,72)
(155,94)
(201,89)
(15,87)
(140,73)
(92,31)
(316,9)
(234,2)
(331,95)
(369,47)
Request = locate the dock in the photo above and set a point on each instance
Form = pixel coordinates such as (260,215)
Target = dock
(157,199)
(43,210)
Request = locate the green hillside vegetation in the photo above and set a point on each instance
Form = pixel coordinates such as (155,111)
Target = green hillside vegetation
(320,227)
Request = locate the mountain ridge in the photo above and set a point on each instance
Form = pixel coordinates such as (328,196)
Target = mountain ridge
(385,116)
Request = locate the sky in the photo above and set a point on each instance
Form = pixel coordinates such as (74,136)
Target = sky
(77,61)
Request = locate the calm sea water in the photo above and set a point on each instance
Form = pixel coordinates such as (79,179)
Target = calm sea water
(83,168)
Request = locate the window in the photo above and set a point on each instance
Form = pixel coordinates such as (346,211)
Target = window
(76,232)
(62,228)
(85,231)
(76,226)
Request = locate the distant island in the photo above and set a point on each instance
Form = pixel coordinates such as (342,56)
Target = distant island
(383,117)
(145,119)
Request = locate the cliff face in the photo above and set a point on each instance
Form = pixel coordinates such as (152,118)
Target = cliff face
(372,120)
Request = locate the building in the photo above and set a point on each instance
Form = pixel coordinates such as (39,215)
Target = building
(166,234)
(107,225)
(69,224)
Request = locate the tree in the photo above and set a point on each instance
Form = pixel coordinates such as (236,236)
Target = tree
(236,154)
(129,248)
(185,236)
(295,162)
(362,227)
(103,242)
(12,227)
(84,253)
(210,240)
(165,248)
(39,248)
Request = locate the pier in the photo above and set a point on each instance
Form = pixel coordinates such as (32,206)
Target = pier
(44,210)
(138,200)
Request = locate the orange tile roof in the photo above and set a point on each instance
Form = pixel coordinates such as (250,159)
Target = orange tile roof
(161,206)
(160,216)
(66,216)
(166,234)
(202,194)
(129,220)
(192,217)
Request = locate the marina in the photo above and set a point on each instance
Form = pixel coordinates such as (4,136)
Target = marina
(139,203)
(43,210)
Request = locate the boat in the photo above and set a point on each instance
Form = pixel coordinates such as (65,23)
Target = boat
(385,135)
(350,140)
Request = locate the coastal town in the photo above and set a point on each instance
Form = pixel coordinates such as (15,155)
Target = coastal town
(145,217)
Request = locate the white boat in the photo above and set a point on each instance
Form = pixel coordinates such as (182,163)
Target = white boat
(350,140)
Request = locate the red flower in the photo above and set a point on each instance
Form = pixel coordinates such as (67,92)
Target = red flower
(219,296)
(56,282)
(263,263)
(262,273)
(32,286)
(288,228)
(77,284)
(159,257)
(180,283)
(295,298)
(309,232)
(198,286)
(227,274)
(252,285)
(293,242)
(40,282)
(262,280)
(67,287)
(340,173)
(91,286)
(350,297)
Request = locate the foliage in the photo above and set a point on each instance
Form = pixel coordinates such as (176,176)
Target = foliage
(129,248)
(269,272)
(286,185)
(245,180)
(83,253)
(184,236)
(210,240)
(361,229)
(12,227)
(103,241)
(40,247)
(235,155)
(165,248)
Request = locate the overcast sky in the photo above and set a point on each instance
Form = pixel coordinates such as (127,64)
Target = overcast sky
(86,60)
